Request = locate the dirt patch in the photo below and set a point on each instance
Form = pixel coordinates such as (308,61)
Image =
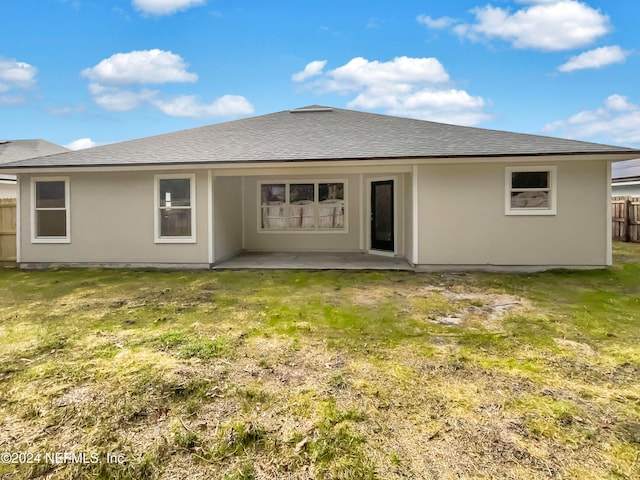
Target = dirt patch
(445,305)
(75,396)
(464,304)
(448,320)
(370,297)
(576,347)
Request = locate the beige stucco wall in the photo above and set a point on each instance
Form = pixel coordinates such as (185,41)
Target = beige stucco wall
(112,222)
(462,218)
(227,231)
(460,214)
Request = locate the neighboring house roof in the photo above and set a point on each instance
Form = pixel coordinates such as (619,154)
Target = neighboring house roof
(626,171)
(16,150)
(319,133)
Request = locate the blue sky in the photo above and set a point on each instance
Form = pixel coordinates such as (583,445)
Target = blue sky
(86,72)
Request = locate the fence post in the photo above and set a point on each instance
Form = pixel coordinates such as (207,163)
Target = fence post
(627,219)
(634,219)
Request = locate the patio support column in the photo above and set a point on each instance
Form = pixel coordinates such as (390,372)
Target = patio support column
(608,232)
(361,203)
(210,215)
(242,206)
(18,214)
(414,211)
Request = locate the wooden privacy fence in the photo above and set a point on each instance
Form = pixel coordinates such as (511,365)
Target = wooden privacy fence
(7,229)
(625,218)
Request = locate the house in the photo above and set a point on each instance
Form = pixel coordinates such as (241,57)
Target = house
(626,178)
(14,150)
(321,179)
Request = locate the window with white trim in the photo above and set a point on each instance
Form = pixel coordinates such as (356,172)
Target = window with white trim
(302,206)
(530,190)
(175,209)
(50,213)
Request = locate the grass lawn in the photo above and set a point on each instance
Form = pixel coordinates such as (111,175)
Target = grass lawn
(326,375)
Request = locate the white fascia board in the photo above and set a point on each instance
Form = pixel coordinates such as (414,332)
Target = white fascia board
(391,163)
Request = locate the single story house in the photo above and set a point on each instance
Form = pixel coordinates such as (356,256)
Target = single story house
(14,150)
(626,178)
(322,179)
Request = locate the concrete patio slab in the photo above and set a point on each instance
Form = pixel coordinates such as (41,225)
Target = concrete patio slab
(313,261)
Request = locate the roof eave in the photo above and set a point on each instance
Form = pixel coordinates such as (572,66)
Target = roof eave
(604,155)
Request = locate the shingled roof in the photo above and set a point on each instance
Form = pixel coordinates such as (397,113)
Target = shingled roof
(15,150)
(626,171)
(319,133)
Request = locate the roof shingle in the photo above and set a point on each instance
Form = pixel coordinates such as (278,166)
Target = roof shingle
(15,150)
(318,133)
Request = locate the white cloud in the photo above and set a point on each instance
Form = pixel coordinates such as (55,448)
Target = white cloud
(141,67)
(66,111)
(412,87)
(75,4)
(550,25)
(81,144)
(400,72)
(374,23)
(189,106)
(619,103)
(617,122)
(538,1)
(597,58)
(115,99)
(113,80)
(166,7)
(436,23)
(437,105)
(312,69)
(16,75)
(12,100)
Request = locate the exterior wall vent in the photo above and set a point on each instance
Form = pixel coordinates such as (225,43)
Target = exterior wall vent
(312,108)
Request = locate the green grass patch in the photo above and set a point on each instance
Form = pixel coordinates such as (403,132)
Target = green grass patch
(349,375)
(189,346)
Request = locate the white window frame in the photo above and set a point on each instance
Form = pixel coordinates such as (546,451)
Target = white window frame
(156,208)
(316,192)
(553,190)
(67,207)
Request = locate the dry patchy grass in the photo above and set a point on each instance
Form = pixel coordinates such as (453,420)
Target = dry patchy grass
(324,375)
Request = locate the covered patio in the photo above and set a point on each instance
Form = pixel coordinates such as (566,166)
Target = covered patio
(313,261)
